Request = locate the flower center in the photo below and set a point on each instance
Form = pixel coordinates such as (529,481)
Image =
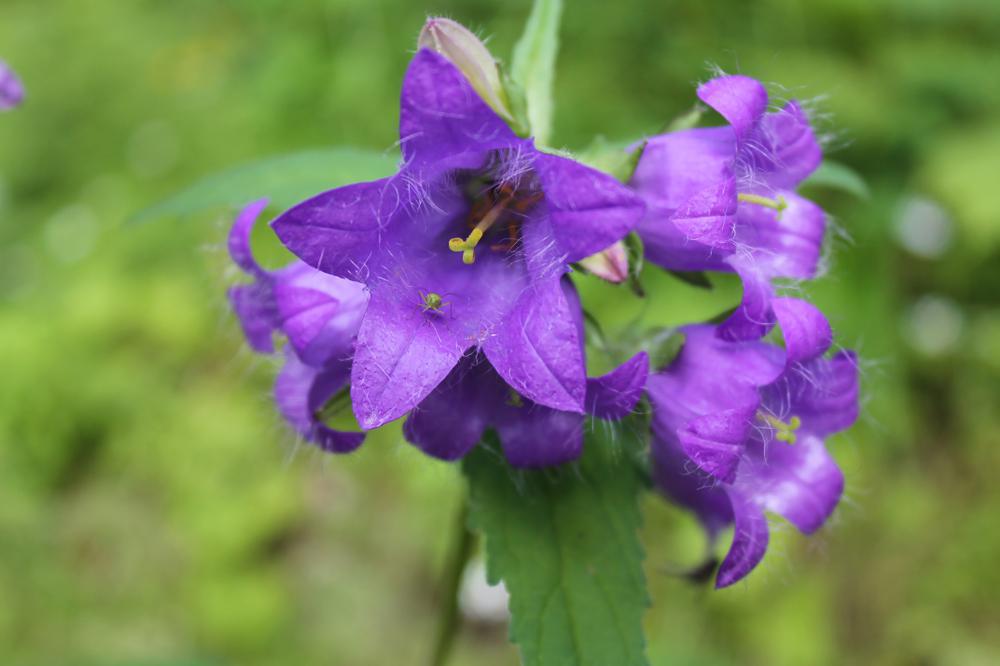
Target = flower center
(783,431)
(779,204)
(503,204)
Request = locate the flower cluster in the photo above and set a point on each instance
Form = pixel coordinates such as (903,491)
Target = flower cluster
(443,294)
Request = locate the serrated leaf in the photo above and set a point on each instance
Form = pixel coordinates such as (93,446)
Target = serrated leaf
(533,65)
(285,180)
(564,541)
(837,176)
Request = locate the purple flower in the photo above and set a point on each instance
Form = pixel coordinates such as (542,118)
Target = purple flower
(738,429)
(318,313)
(463,247)
(473,397)
(11,90)
(722,198)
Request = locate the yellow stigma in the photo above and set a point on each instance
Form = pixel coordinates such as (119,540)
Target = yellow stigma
(779,204)
(468,245)
(783,432)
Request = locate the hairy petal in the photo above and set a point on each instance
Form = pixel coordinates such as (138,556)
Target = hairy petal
(715,441)
(821,392)
(254,307)
(739,99)
(402,353)
(788,244)
(682,481)
(787,149)
(441,115)
(533,435)
(753,317)
(341,231)
(807,332)
(238,241)
(750,539)
(589,210)
(537,349)
(615,395)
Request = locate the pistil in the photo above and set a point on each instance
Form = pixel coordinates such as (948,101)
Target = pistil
(779,204)
(783,431)
(467,246)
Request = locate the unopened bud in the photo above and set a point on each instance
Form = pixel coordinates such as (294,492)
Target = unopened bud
(11,90)
(609,264)
(457,43)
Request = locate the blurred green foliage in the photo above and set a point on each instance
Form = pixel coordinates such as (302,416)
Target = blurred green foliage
(154,511)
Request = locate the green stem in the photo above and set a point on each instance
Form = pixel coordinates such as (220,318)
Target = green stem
(450,622)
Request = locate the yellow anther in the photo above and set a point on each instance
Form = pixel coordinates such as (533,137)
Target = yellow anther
(783,432)
(778,204)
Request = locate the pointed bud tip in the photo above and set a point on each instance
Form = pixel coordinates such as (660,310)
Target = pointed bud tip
(609,264)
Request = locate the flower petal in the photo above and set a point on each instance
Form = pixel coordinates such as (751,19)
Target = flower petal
(786,150)
(402,353)
(750,539)
(537,348)
(301,390)
(786,244)
(741,100)
(11,88)
(681,480)
(615,395)
(238,241)
(806,331)
(254,307)
(753,317)
(822,392)
(533,435)
(800,482)
(451,420)
(442,116)
(715,441)
(589,210)
(676,166)
(341,231)
(708,217)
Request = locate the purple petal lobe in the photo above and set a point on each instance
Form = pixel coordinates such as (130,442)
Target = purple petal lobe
(537,436)
(589,210)
(451,420)
(753,317)
(442,116)
(750,539)
(239,238)
(402,353)
(537,349)
(340,231)
(681,480)
(300,391)
(715,441)
(787,148)
(821,392)
(708,217)
(800,482)
(739,99)
(254,307)
(786,244)
(614,395)
(807,332)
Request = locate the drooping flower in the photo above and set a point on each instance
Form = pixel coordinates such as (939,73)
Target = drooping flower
(723,199)
(464,247)
(473,397)
(739,428)
(319,314)
(11,89)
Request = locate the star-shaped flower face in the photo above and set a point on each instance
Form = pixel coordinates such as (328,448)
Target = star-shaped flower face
(481,223)
(723,198)
(11,90)
(318,313)
(739,426)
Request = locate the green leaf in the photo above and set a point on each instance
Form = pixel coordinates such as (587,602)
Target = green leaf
(837,176)
(564,541)
(534,62)
(636,257)
(613,157)
(685,121)
(285,180)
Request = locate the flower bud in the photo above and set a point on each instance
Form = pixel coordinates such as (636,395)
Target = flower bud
(609,264)
(457,43)
(11,90)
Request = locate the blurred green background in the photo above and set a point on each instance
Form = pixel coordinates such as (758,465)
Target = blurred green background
(153,510)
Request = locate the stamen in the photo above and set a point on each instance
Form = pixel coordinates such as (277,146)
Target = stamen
(784,432)
(779,204)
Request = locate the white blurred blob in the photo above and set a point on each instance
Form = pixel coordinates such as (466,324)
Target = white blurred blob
(934,324)
(922,227)
(153,149)
(480,601)
(70,233)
